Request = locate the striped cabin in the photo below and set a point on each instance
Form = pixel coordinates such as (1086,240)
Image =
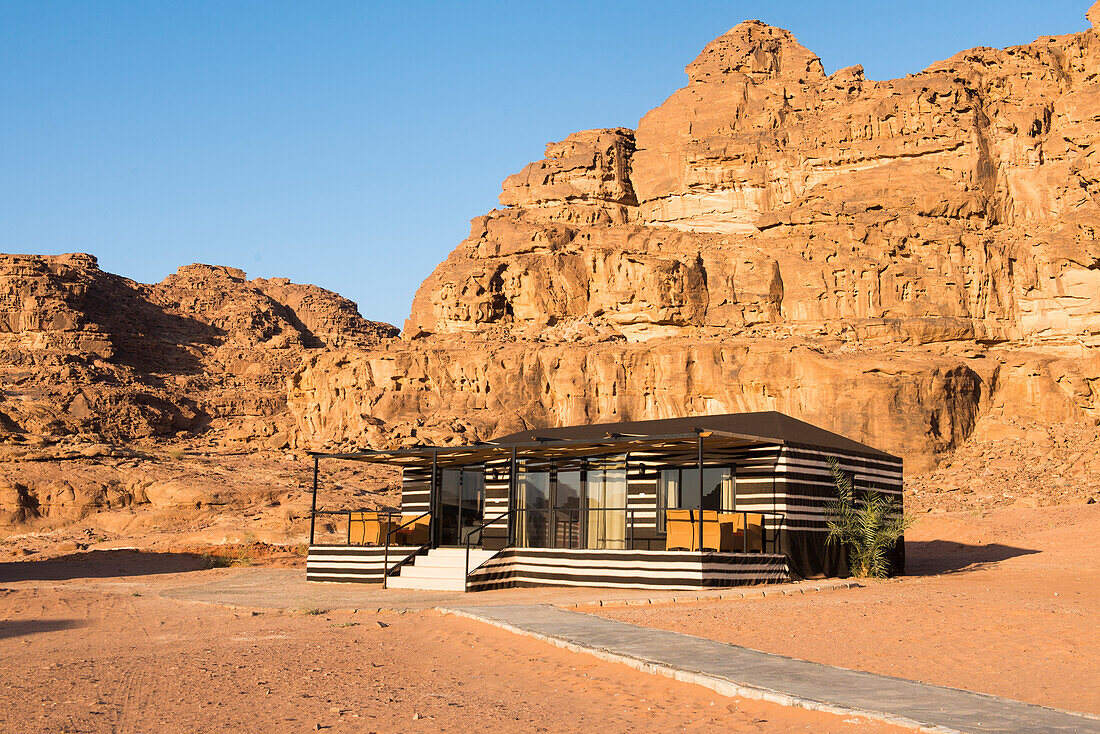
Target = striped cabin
(682,503)
(775,465)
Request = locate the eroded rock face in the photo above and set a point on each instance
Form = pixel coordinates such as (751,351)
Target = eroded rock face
(121,403)
(896,260)
(92,355)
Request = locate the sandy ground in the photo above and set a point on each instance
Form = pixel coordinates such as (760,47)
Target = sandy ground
(88,644)
(1002,602)
(1005,602)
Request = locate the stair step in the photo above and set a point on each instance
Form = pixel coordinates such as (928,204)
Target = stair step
(402,582)
(459,563)
(441,569)
(431,572)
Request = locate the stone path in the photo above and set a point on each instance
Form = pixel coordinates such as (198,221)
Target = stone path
(739,671)
(287,588)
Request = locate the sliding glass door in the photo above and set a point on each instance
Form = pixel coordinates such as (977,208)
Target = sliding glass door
(461,504)
(605,493)
(567,517)
(532,507)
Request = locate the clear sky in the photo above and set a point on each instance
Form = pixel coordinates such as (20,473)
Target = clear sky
(348,144)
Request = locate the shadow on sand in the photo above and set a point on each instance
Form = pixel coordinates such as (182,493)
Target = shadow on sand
(24,627)
(102,564)
(934,557)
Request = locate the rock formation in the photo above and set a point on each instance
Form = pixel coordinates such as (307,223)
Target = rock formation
(909,262)
(913,263)
(100,377)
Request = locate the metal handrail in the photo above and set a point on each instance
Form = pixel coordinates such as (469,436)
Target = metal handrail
(586,510)
(773,541)
(386,556)
(480,528)
(348,513)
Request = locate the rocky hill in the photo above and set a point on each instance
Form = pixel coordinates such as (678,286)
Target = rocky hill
(116,394)
(911,262)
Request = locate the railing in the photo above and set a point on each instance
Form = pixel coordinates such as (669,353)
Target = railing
(575,530)
(574,523)
(479,530)
(386,557)
(389,514)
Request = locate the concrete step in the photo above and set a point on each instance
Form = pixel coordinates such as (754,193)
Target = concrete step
(441,569)
(420,584)
(458,552)
(458,562)
(431,572)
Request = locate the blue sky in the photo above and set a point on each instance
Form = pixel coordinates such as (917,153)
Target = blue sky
(348,144)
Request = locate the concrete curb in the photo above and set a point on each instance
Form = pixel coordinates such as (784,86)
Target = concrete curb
(718,684)
(749,593)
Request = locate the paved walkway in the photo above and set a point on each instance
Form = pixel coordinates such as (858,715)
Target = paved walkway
(739,671)
(287,588)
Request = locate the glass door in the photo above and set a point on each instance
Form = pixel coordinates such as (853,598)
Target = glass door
(461,504)
(533,507)
(606,499)
(567,516)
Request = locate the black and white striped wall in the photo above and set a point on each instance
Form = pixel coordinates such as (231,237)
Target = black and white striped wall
(669,570)
(361,564)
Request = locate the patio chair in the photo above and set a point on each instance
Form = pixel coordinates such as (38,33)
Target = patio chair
(681,532)
(358,527)
(754,531)
(417,533)
(718,533)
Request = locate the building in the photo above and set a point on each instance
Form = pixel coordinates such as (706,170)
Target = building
(707,501)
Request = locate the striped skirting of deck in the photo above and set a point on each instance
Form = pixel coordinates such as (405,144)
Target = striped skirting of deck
(622,569)
(352,563)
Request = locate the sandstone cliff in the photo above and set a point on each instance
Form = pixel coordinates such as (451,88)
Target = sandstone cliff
(116,394)
(911,262)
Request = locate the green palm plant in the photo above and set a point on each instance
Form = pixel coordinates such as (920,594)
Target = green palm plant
(868,528)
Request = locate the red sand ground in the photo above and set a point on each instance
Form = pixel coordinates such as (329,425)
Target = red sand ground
(1004,602)
(80,658)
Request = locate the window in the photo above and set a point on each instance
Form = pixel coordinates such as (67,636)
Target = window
(606,495)
(679,489)
(532,503)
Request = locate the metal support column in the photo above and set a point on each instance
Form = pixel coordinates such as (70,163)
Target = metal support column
(313,510)
(700,443)
(434,527)
(513,490)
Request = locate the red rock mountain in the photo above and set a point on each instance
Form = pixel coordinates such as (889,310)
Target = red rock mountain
(911,262)
(102,378)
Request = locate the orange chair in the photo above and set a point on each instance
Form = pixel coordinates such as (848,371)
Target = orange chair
(681,532)
(718,535)
(750,524)
(366,529)
(417,533)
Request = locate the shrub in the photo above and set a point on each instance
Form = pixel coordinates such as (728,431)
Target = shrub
(868,528)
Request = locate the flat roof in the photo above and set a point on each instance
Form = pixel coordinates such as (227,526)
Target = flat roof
(670,438)
(769,424)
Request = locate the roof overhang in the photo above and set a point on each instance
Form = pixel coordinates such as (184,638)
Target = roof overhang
(676,445)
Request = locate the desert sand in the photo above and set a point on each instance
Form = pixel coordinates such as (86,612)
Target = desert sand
(88,646)
(1001,602)
(1004,602)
